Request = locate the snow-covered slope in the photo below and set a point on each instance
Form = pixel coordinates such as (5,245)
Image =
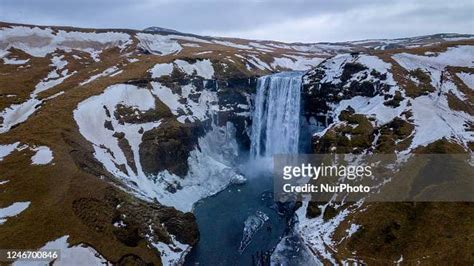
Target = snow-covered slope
(398,102)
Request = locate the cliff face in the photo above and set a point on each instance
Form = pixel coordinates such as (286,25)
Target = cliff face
(400,102)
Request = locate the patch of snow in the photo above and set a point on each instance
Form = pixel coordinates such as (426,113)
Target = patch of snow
(188,38)
(258,63)
(261,47)
(11,61)
(291,250)
(374,62)
(467,78)
(434,120)
(108,72)
(317,233)
(193,109)
(91,125)
(460,56)
(5,150)
(372,107)
(13,210)
(452,39)
(54,96)
(70,255)
(43,155)
(351,230)
(120,224)
(296,62)
(40,42)
(334,68)
(167,97)
(49,83)
(233,45)
(55,77)
(58,62)
(117,73)
(203,68)
(158,44)
(14,61)
(258,45)
(280,45)
(400,260)
(173,253)
(205,52)
(194,45)
(449,86)
(160,70)
(18,113)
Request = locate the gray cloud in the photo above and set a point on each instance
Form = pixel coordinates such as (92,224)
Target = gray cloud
(305,21)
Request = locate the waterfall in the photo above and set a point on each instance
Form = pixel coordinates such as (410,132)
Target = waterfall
(276,117)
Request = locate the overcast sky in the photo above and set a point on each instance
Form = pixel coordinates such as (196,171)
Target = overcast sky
(285,20)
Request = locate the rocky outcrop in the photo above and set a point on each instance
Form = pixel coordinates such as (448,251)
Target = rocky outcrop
(235,100)
(168,147)
(338,79)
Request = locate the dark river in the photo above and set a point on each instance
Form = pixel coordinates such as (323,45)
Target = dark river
(221,223)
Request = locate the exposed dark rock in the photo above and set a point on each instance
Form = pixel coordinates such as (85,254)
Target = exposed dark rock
(119,135)
(127,114)
(350,69)
(378,75)
(108,125)
(132,260)
(353,138)
(365,88)
(233,98)
(329,213)
(168,147)
(313,210)
(107,112)
(395,101)
(393,132)
(317,95)
(139,82)
(127,151)
(129,235)
(346,114)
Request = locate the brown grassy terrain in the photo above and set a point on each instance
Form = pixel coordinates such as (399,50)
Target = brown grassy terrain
(53,189)
(426,233)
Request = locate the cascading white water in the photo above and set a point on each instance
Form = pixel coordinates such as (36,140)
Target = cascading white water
(276,117)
